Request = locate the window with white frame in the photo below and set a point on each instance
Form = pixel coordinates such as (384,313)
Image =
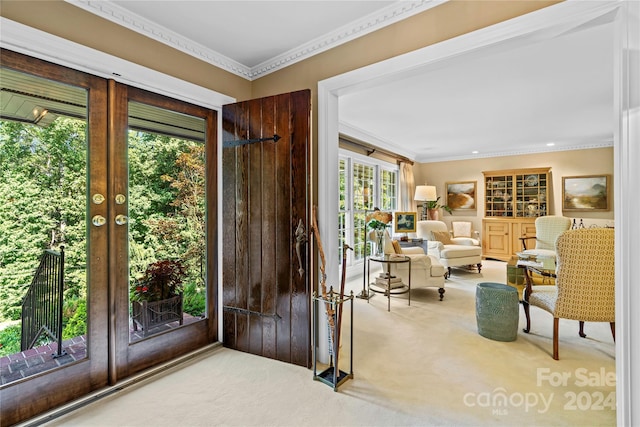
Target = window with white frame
(365,184)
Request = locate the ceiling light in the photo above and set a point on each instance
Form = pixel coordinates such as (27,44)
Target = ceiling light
(40,115)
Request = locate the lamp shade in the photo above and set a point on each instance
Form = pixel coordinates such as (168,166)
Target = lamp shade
(425,193)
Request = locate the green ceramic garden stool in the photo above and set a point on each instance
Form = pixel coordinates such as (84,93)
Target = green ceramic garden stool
(497,311)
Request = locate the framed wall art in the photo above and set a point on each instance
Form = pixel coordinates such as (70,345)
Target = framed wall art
(586,193)
(461,195)
(405,222)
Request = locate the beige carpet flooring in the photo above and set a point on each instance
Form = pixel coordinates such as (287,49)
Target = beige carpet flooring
(418,365)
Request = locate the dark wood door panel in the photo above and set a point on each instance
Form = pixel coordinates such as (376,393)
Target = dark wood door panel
(30,396)
(265,187)
(132,357)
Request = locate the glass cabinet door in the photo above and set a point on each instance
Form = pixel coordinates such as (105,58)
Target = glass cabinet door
(521,193)
(531,195)
(499,195)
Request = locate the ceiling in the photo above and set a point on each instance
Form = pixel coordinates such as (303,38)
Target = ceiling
(510,101)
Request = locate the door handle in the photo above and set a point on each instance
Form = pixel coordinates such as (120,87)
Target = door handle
(301,239)
(98,220)
(121,219)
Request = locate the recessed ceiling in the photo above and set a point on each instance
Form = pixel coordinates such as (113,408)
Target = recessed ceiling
(512,101)
(504,101)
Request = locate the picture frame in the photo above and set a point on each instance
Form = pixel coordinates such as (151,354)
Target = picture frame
(587,193)
(461,195)
(405,222)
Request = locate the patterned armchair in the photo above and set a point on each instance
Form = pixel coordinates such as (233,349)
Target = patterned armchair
(585,282)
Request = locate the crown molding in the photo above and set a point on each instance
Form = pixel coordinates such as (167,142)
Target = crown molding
(123,17)
(395,12)
(424,157)
(600,144)
(33,42)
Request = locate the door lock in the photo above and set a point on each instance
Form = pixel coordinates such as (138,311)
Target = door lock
(98,220)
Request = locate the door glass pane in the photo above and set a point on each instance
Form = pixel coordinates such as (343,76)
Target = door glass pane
(166,209)
(43,224)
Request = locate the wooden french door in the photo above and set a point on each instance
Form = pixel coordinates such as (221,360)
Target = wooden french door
(266,219)
(29,396)
(149,115)
(101,210)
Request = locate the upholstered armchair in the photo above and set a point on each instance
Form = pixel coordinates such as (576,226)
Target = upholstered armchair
(548,228)
(585,282)
(461,253)
(426,270)
(461,231)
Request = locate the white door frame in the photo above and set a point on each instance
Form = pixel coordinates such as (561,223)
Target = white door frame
(545,23)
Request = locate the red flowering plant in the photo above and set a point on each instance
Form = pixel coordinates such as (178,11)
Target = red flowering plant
(161,280)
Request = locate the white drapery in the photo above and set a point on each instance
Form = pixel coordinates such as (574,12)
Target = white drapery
(407,188)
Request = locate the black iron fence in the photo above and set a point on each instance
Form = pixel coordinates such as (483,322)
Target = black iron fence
(42,305)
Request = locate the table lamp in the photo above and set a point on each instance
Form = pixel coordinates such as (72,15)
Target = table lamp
(424,194)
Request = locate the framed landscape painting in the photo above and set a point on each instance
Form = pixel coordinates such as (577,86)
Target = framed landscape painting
(461,195)
(586,193)
(405,222)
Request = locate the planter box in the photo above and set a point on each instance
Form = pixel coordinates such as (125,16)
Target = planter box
(148,315)
(515,277)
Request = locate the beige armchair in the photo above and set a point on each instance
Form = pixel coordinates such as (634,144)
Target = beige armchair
(548,228)
(461,253)
(463,230)
(585,282)
(426,270)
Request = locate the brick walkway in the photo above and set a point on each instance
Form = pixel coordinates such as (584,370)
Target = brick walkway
(35,360)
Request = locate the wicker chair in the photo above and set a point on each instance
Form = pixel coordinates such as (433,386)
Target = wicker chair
(585,282)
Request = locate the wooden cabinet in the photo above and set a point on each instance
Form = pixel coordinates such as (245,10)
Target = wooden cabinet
(516,193)
(496,239)
(501,237)
(513,199)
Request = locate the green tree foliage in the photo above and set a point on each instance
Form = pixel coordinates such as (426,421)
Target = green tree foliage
(77,323)
(10,340)
(43,198)
(42,188)
(167,205)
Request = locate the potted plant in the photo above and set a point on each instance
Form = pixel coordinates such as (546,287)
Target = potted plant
(378,221)
(156,297)
(433,206)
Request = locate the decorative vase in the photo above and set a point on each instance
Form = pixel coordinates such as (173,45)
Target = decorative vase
(433,214)
(379,242)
